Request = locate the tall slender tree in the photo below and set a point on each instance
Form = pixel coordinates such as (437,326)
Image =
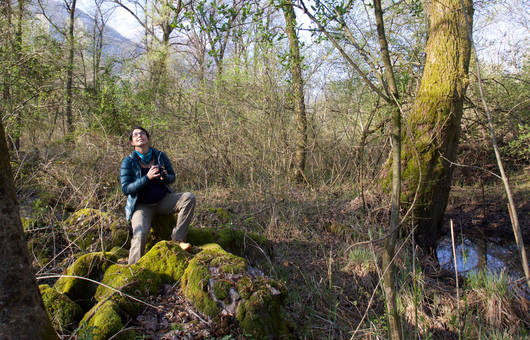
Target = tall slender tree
(70,7)
(297,89)
(389,284)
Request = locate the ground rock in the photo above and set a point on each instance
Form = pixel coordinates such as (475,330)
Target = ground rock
(249,245)
(63,312)
(220,283)
(167,260)
(132,280)
(85,226)
(104,321)
(92,266)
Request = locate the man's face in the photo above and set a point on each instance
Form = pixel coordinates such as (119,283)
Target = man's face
(139,138)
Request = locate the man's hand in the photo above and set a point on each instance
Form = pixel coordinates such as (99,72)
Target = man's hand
(154,172)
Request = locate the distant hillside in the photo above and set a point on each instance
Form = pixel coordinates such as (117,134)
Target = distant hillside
(115,45)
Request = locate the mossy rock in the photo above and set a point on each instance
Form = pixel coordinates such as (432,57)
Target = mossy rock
(160,230)
(119,252)
(119,236)
(85,226)
(63,312)
(260,313)
(195,280)
(252,246)
(167,259)
(219,215)
(221,290)
(91,266)
(102,322)
(258,304)
(249,245)
(344,231)
(132,280)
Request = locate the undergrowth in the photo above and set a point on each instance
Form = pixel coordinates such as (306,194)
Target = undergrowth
(327,243)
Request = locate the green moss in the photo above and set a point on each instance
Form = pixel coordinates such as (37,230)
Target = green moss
(63,312)
(119,236)
(244,287)
(166,259)
(132,280)
(215,256)
(241,243)
(119,252)
(160,230)
(200,236)
(194,285)
(221,290)
(221,214)
(101,322)
(261,314)
(194,282)
(91,266)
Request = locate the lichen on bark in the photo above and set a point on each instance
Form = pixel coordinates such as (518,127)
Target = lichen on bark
(433,127)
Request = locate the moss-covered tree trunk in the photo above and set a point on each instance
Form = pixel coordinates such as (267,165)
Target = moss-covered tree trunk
(434,124)
(22,313)
(297,89)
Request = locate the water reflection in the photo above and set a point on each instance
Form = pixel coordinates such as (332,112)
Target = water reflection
(483,253)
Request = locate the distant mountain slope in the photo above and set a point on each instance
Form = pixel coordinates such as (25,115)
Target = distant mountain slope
(115,45)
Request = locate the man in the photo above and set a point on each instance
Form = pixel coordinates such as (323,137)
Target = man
(145,175)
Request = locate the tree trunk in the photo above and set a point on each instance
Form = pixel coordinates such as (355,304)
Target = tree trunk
(17,50)
(22,313)
(434,123)
(389,284)
(70,67)
(297,90)
(5,54)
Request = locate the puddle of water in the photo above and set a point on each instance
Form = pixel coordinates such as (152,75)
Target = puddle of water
(472,256)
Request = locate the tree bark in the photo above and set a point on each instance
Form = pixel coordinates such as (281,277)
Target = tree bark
(297,90)
(431,143)
(22,313)
(17,50)
(5,53)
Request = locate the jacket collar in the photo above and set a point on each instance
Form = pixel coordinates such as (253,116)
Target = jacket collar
(156,157)
(133,154)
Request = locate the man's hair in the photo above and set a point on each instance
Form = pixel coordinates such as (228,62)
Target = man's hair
(138,128)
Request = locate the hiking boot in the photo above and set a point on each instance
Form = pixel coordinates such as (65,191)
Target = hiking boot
(184,246)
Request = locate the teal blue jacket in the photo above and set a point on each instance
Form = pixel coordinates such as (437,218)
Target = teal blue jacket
(132,180)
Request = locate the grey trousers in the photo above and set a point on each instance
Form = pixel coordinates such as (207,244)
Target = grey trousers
(182,203)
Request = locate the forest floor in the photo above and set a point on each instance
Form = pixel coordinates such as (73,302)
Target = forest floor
(482,208)
(324,255)
(321,256)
